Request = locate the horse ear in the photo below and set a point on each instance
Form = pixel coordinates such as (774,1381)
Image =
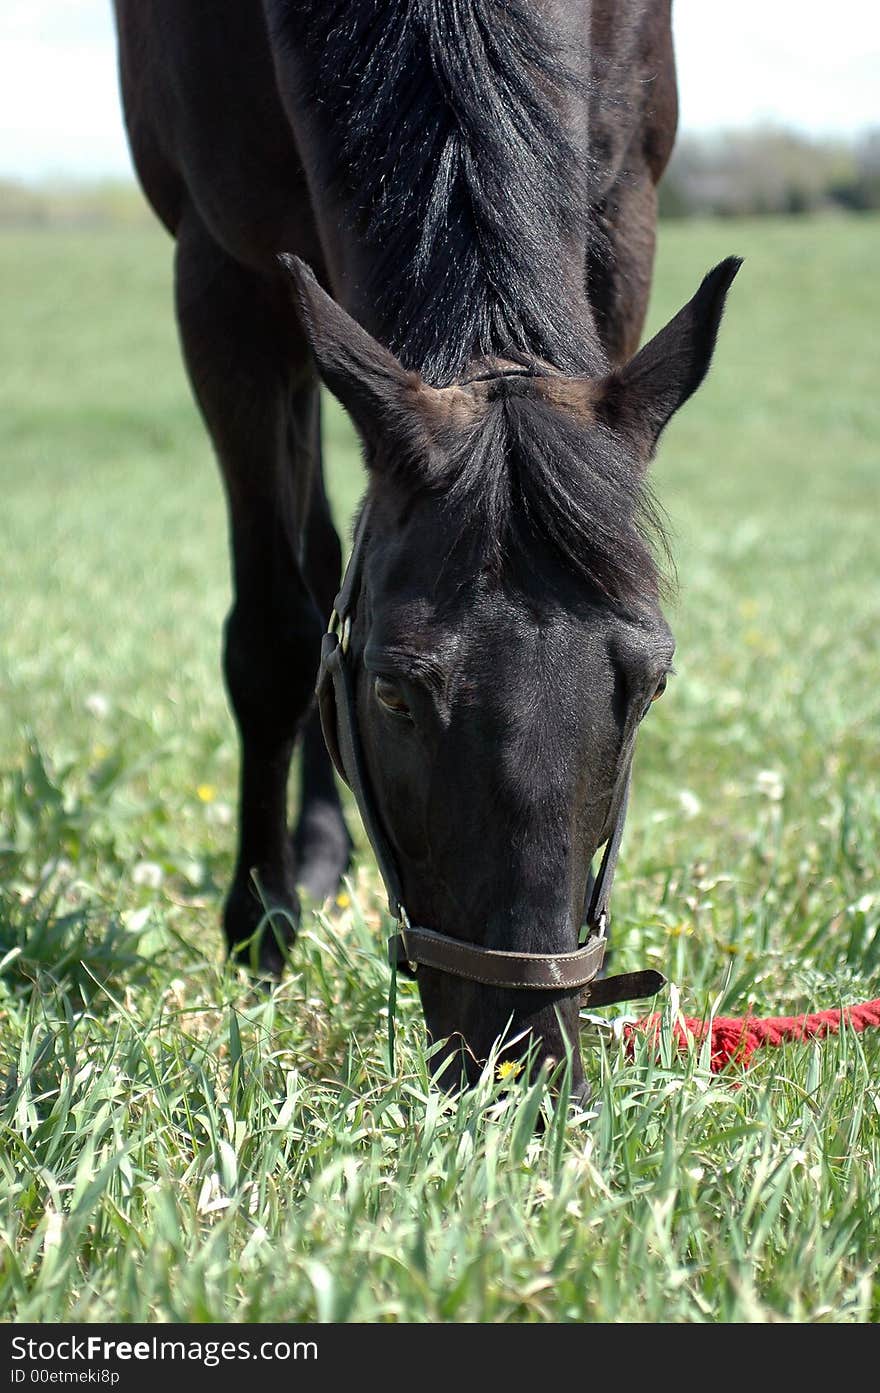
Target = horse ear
(638,400)
(364,375)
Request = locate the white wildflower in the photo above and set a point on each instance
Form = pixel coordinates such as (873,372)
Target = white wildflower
(689,803)
(97,705)
(149,874)
(771,784)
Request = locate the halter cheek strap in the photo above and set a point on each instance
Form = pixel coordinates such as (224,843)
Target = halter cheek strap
(413,945)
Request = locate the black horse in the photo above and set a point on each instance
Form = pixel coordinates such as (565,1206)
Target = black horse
(474,184)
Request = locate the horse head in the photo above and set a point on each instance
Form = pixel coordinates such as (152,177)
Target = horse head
(504,643)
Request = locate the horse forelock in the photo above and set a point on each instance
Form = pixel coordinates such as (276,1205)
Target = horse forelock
(523,483)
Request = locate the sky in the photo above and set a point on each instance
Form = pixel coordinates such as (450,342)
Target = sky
(739,64)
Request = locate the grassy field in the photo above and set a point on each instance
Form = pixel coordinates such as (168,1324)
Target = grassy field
(174,1146)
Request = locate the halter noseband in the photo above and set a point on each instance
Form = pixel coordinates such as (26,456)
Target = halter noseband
(412,945)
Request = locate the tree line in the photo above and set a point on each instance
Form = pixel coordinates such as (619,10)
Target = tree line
(747,173)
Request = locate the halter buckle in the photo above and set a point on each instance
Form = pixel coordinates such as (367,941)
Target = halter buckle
(398,940)
(403,924)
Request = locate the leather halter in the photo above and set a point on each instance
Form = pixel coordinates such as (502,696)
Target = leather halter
(412,945)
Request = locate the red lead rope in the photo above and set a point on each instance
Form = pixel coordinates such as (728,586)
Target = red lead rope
(735,1038)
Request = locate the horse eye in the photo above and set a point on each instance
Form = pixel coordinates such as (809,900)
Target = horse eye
(661,688)
(390,696)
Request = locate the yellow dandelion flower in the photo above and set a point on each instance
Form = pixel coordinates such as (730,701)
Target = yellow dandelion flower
(508,1069)
(206,793)
(343,899)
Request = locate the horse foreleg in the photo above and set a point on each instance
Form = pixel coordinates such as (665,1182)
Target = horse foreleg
(322,845)
(252,378)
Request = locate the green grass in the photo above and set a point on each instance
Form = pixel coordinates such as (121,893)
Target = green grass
(175,1146)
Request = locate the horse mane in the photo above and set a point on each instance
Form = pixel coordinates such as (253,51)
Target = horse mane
(450,151)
